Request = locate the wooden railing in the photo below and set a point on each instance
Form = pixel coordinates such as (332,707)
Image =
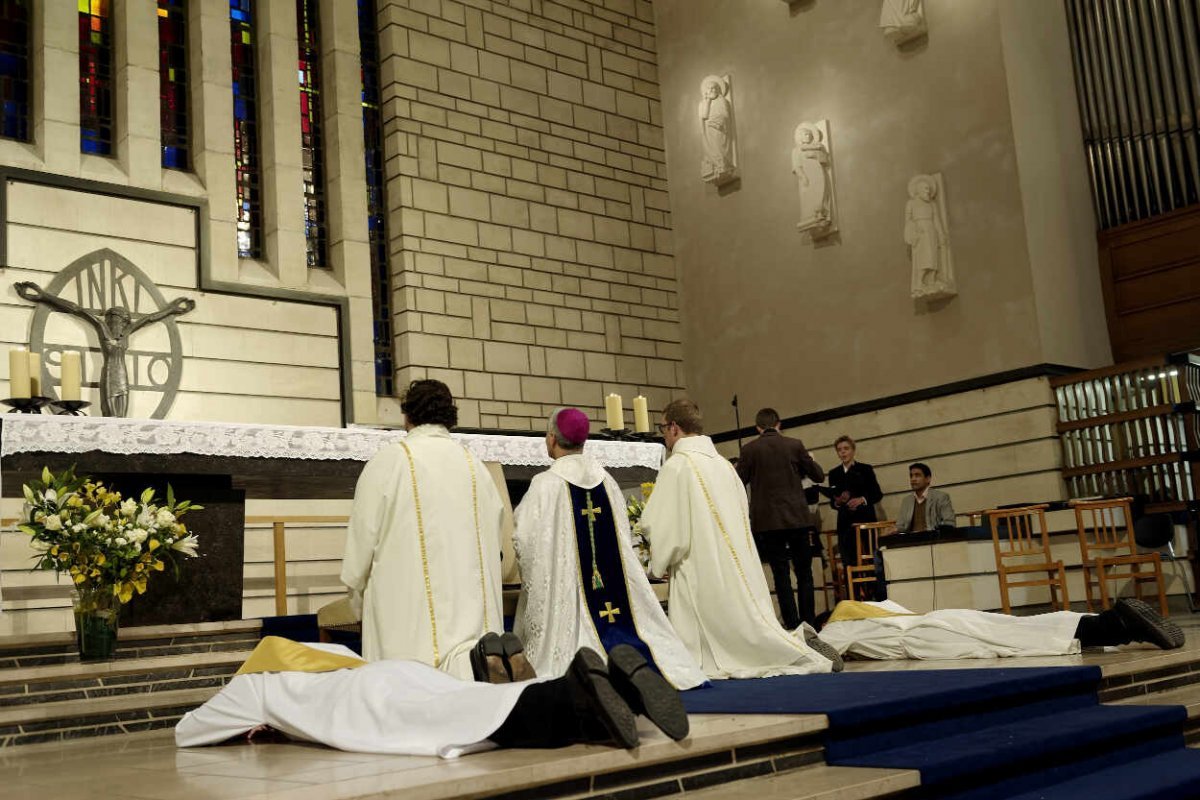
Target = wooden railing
(279,554)
(1132,429)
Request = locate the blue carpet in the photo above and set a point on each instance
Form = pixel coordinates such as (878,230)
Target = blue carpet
(982,734)
(852,699)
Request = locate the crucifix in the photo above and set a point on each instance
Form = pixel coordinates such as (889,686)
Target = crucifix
(610,613)
(113,327)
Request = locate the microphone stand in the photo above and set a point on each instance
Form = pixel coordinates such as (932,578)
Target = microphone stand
(737,421)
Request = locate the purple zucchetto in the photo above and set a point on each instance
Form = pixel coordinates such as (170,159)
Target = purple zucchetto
(573,424)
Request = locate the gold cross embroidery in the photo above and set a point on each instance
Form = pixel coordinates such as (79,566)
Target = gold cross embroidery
(591,511)
(609,613)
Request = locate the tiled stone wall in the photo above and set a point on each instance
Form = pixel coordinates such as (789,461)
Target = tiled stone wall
(531,238)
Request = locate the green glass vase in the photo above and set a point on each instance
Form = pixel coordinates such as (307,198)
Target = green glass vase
(97,618)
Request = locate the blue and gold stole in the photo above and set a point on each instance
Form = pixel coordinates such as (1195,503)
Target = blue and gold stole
(602,572)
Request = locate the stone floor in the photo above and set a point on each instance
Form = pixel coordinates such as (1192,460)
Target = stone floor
(149,765)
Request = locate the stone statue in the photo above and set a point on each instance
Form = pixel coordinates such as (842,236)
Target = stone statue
(902,20)
(925,233)
(113,328)
(810,165)
(719,162)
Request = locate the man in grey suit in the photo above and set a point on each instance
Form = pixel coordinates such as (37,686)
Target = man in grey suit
(926,509)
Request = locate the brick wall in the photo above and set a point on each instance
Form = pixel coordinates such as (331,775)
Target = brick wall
(531,234)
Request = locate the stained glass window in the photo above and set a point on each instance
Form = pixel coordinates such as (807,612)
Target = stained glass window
(245,129)
(96,77)
(173,83)
(381,278)
(312,146)
(14,69)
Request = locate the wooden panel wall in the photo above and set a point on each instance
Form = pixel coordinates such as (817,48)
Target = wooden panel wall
(1150,274)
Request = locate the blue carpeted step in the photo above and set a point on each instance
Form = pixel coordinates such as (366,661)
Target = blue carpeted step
(869,699)
(1031,776)
(1025,744)
(950,722)
(1167,776)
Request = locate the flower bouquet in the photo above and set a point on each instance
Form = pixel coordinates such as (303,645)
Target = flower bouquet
(633,509)
(109,546)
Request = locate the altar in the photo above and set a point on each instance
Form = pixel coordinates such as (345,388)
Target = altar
(225,467)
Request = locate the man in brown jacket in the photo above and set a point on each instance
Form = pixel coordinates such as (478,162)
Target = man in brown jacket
(785,530)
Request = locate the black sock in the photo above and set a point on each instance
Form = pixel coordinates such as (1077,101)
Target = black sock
(543,717)
(1105,629)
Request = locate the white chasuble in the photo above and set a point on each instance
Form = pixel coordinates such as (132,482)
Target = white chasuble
(392,707)
(570,599)
(698,523)
(952,633)
(423,551)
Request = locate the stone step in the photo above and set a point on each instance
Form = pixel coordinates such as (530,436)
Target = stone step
(20,652)
(100,716)
(819,782)
(89,681)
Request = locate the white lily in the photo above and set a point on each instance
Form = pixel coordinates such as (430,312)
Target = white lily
(186,545)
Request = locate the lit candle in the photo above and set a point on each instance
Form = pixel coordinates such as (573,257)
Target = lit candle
(641,415)
(70,377)
(35,374)
(18,373)
(614,412)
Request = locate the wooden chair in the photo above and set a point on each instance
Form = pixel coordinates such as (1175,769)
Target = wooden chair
(1106,541)
(866,535)
(831,580)
(1023,548)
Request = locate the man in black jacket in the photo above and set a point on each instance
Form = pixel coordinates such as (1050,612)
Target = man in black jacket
(784,528)
(854,491)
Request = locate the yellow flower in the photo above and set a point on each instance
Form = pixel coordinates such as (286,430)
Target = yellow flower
(139,567)
(80,578)
(647,488)
(100,560)
(126,593)
(54,550)
(158,565)
(152,545)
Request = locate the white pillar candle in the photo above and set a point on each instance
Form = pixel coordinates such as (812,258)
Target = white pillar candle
(35,374)
(641,415)
(70,377)
(18,373)
(614,412)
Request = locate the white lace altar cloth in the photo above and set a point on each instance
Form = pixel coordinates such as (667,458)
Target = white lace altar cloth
(26,433)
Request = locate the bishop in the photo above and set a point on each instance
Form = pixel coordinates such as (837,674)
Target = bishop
(582,583)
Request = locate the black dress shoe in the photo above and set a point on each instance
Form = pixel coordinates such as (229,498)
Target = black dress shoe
(487,660)
(1147,625)
(597,701)
(519,668)
(647,692)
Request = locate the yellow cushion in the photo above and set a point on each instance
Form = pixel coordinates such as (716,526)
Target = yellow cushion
(855,609)
(276,654)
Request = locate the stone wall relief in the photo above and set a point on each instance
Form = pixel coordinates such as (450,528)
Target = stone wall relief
(928,239)
(812,164)
(902,20)
(718,164)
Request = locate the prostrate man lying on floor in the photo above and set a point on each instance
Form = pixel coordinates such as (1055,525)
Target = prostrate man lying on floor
(887,630)
(326,694)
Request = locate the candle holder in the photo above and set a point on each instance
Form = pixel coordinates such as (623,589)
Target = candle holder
(69,408)
(26,405)
(627,435)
